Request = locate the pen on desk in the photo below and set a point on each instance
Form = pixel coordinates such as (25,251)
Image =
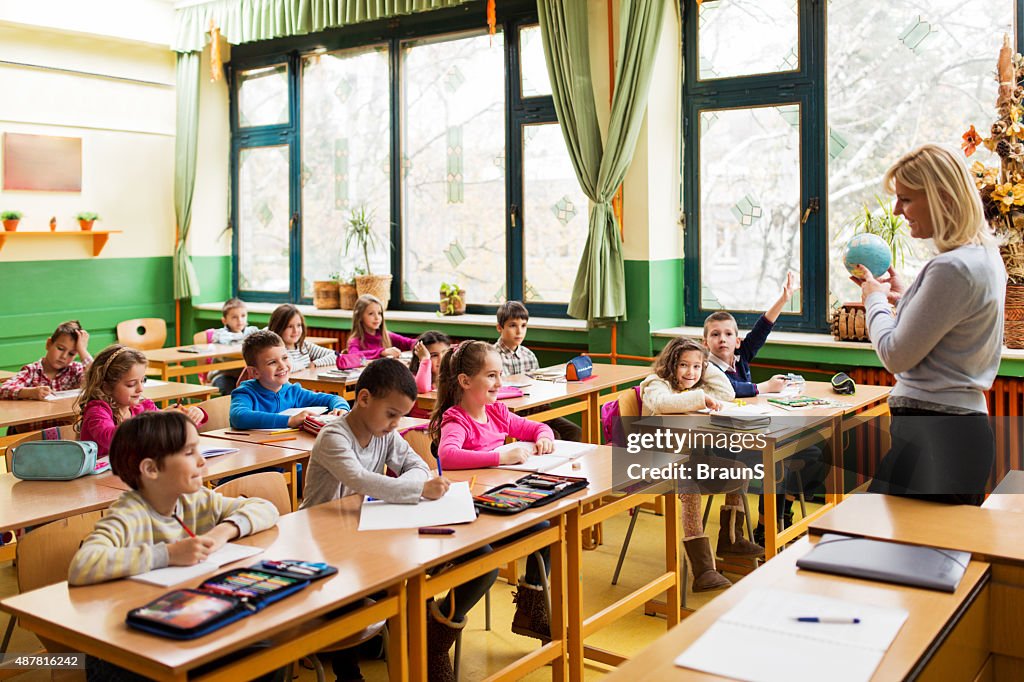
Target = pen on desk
(431,530)
(827,619)
(472,482)
(182,524)
(279,439)
(236,433)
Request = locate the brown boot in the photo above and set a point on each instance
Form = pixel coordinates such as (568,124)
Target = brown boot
(531,618)
(702,562)
(731,542)
(441,634)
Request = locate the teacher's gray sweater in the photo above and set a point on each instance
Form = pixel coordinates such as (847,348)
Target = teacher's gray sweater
(945,342)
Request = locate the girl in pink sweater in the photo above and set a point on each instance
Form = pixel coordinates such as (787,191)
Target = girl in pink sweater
(426,360)
(370,337)
(112,393)
(468,422)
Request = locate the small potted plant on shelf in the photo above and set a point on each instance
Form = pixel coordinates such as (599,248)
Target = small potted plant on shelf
(86,219)
(10,219)
(453,299)
(360,234)
(347,292)
(325,292)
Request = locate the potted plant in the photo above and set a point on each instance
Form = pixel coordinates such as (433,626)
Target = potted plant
(887,225)
(86,219)
(10,219)
(360,234)
(453,299)
(347,292)
(325,293)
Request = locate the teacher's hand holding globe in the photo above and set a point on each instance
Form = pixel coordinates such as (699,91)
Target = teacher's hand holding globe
(868,258)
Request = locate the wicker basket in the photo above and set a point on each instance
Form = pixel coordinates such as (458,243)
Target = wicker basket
(849,323)
(375,285)
(325,294)
(1013,258)
(1013,325)
(347,295)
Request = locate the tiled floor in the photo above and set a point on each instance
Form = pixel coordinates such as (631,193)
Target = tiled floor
(484,651)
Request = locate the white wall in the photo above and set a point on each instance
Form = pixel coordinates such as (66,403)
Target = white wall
(210,200)
(137,21)
(118,97)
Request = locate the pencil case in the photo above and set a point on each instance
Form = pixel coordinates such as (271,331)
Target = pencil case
(224,599)
(534,490)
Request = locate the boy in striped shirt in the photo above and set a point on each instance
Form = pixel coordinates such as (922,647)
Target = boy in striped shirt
(168,518)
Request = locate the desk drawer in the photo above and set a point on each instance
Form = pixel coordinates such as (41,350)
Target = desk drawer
(964,651)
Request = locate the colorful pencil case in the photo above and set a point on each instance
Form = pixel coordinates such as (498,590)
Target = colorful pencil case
(219,601)
(534,490)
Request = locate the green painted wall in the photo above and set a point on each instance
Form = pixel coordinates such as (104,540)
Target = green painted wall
(39,295)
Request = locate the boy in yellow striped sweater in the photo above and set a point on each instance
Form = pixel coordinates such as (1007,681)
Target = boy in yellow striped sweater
(151,526)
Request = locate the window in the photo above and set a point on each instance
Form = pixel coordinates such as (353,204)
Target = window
(449,140)
(775,171)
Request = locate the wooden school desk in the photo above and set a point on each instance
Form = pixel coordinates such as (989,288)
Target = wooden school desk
(91,619)
(1009,494)
(294,438)
(13,412)
(591,506)
(311,380)
(5,375)
(29,503)
(916,648)
(584,396)
(325,341)
(203,358)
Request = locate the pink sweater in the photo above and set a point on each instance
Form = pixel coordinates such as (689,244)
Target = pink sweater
(424,384)
(468,444)
(372,345)
(98,422)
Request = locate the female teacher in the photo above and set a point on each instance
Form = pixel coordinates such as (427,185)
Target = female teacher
(945,340)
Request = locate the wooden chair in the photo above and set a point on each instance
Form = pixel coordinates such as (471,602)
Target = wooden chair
(268,485)
(419,440)
(43,557)
(67,432)
(144,333)
(217,410)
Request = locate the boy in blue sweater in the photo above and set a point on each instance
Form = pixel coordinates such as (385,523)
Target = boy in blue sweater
(256,403)
(733,356)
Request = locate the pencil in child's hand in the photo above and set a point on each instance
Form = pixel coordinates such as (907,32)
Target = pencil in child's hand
(182,524)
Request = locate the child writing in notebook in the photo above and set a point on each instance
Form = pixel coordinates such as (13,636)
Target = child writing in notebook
(426,359)
(469,424)
(683,381)
(370,337)
(57,370)
(112,393)
(349,458)
(287,322)
(257,403)
(168,518)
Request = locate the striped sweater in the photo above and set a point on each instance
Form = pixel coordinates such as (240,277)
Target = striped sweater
(310,354)
(132,538)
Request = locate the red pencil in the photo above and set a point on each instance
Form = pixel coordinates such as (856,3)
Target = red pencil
(182,524)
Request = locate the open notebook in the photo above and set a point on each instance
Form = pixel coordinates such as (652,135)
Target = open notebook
(565,452)
(778,648)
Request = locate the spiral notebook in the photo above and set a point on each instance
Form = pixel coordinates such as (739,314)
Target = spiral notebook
(778,648)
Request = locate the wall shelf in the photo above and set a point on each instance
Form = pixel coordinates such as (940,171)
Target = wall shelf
(99,237)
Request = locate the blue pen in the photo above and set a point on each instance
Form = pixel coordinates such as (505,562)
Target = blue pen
(827,619)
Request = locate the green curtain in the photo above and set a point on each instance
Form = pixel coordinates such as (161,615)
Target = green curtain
(243,21)
(186,133)
(599,293)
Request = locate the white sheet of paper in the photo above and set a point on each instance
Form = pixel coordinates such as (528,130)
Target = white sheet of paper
(517,380)
(214,452)
(70,393)
(172,575)
(565,452)
(765,628)
(154,382)
(292,411)
(455,507)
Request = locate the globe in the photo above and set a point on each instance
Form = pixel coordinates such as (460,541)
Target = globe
(868,250)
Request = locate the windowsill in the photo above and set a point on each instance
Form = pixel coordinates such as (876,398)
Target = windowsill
(820,341)
(488,321)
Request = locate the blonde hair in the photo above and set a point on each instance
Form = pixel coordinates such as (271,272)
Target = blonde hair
(358,330)
(668,360)
(107,368)
(953,201)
